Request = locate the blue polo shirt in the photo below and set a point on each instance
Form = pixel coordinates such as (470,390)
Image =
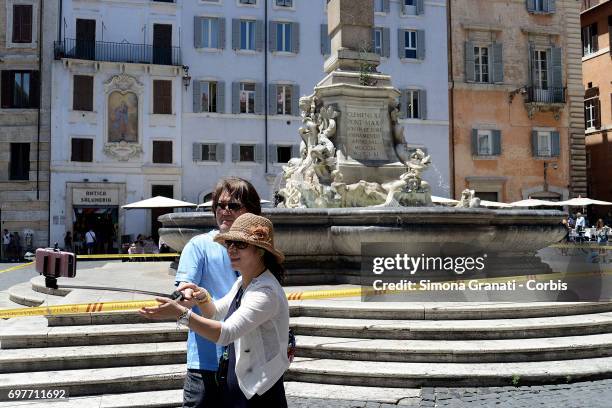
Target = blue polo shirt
(205,263)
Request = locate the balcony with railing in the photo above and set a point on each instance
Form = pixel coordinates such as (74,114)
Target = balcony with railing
(544,100)
(117,52)
(549,95)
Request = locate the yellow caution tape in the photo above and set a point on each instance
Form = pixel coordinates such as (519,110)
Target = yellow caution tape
(118,256)
(16,267)
(76,308)
(305,295)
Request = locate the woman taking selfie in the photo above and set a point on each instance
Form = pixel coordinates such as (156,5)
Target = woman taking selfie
(254,314)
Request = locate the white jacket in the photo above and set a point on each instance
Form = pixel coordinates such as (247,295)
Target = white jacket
(259,329)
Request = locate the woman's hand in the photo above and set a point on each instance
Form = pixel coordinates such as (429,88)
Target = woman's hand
(167,308)
(193,292)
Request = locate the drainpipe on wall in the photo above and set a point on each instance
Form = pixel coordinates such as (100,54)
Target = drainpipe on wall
(40,47)
(451,96)
(266,87)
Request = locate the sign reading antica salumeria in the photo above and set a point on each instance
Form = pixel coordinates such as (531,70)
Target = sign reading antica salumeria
(91,196)
(364,133)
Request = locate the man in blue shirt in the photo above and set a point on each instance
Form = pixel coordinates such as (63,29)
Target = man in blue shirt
(206,263)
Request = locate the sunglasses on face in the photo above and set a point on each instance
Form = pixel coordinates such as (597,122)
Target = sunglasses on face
(233,206)
(236,244)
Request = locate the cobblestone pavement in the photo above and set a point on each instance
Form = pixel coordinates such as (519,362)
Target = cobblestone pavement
(594,394)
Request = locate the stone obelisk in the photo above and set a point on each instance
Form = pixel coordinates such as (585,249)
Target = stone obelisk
(363,97)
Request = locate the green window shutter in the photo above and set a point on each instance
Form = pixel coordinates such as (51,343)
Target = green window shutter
(220,148)
(295,150)
(197,32)
(420,7)
(474,142)
(259,153)
(421,44)
(403,103)
(551,6)
(259,98)
(272,89)
(235,97)
(534,143)
(295,38)
(597,113)
(555,142)
(386,6)
(272,154)
(197,96)
(496,142)
(401,43)
(235,152)
(197,151)
(423,104)
(272,36)
(530,65)
(221,26)
(531,6)
(235,34)
(556,68)
(259,35)
(386,33)
(470,62)
(325,41)
(221,97)
(498,63)
(295,100)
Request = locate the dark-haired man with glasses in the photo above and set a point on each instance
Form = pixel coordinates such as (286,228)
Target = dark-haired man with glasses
(206,264)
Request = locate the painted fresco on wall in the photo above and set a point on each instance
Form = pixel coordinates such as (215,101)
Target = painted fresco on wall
(122,117)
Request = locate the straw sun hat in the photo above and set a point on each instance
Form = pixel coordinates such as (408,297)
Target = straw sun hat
(255,230)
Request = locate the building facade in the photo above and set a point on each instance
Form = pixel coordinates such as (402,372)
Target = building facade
(516,94)
(166,97)
(251,60)
(117,105)
(596,21)
(25,118)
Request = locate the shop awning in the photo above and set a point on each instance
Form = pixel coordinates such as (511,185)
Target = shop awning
(158,202)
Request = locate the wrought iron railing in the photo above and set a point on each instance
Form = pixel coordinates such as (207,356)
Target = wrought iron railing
(549,95)
(117,52)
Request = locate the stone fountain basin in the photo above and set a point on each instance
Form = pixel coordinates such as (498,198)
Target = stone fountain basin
(330,239)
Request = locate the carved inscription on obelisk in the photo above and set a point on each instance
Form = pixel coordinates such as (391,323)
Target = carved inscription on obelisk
(364,133)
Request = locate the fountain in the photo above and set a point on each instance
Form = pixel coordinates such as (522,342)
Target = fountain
(358,181)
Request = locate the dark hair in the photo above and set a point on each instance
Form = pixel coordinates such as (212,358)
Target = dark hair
(272,264)
(239,189)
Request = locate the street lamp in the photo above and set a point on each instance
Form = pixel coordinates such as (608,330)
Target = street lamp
(546,165)
(186,77)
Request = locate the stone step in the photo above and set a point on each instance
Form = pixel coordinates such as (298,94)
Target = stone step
(88,382)
(410,375)
(149,399)
(356,309)
(455,351)
(23,294)
(11,338)
(101,356)
(569,325)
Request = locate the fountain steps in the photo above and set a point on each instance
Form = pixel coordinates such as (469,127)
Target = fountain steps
(407,346)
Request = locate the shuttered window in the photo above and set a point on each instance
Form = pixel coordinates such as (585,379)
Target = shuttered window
(592,109)
(162,151)
(20,89)
(19,167)
(82,150)
(82,93)
(486,142)
(22,23)
(162,97)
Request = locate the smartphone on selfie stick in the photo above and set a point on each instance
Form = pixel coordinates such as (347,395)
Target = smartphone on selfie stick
(53,263)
